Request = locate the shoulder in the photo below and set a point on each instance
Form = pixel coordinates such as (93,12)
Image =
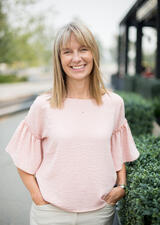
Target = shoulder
(38,105)
(114,97)
(41,100)
(37,110)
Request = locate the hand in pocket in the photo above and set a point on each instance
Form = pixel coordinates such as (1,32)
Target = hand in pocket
(114,195)
(38,199)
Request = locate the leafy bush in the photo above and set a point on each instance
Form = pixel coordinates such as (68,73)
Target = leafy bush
(12,78)
(141,205)
(146,87)
(139,113)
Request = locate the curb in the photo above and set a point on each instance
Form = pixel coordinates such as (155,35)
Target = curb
(17,105)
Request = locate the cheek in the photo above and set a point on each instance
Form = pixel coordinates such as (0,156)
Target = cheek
(64,62)
(91,64)
(89,58)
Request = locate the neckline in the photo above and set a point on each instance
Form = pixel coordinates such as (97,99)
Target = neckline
(82,99)
(78,98)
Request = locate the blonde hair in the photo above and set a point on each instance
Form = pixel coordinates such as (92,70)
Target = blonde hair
(84,37)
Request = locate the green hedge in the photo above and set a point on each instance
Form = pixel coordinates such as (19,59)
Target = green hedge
(141,205)
(139,113)
(147,87)
(12,78)
(129,83)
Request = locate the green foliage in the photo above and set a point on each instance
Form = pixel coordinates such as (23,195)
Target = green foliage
(141,205)
(146,87)
(12,78)
(28,41)
(6,37)
(139,113)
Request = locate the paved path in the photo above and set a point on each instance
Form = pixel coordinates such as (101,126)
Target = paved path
(11,92)
(19,96)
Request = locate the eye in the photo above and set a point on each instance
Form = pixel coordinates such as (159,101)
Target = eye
(66,52)
(84,49)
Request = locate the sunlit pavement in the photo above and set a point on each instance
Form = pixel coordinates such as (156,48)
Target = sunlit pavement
(19,96)
(10,92)
(14,197)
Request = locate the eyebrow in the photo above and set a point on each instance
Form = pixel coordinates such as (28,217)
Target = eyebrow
(63,49)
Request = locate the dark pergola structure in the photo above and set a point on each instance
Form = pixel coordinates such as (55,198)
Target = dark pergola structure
(144,13)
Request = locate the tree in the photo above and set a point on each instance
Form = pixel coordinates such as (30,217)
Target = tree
(27,40)
(6,37)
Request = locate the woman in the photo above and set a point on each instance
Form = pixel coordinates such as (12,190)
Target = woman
(71,148)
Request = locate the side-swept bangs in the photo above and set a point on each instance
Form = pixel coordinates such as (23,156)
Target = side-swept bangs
(82,34)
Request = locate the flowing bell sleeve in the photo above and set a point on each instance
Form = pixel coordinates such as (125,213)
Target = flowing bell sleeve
(123,148)
(24,146)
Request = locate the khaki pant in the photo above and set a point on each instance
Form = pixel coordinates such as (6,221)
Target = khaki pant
(52,215)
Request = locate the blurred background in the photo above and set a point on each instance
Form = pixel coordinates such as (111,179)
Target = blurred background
(27,31)
(128,35)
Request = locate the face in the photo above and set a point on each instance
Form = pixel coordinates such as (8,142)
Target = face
(76,60)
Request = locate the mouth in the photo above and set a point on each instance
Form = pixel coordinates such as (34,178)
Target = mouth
(78,68)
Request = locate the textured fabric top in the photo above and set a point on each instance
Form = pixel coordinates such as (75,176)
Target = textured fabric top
(74,152)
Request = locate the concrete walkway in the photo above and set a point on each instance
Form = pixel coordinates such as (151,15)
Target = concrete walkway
(12,92)
(19,96)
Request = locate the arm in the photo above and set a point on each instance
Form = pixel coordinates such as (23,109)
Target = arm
(117,192)
(30,183)
(121,175)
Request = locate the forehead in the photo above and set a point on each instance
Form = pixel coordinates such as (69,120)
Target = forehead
(69,38)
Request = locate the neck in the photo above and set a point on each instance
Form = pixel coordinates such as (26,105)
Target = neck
(78,89)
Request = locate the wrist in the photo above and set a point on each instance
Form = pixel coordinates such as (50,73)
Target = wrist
(123,186)
(35,194)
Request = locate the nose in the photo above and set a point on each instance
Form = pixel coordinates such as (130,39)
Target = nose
(76,57)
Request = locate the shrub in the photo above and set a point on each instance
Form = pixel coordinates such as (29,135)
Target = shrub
(141,205)
(139,113)
(12,78)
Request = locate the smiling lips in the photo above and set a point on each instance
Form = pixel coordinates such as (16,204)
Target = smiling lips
(78,68)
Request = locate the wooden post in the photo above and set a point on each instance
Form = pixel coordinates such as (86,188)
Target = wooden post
(158,41)
(126,48)
(139,49)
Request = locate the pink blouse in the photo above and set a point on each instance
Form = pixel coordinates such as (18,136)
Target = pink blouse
(74,152)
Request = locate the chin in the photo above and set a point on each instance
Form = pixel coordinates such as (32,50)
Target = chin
(78,76)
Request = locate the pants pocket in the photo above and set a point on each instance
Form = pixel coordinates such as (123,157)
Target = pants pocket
(46,207)
(41,206)
(110,205)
